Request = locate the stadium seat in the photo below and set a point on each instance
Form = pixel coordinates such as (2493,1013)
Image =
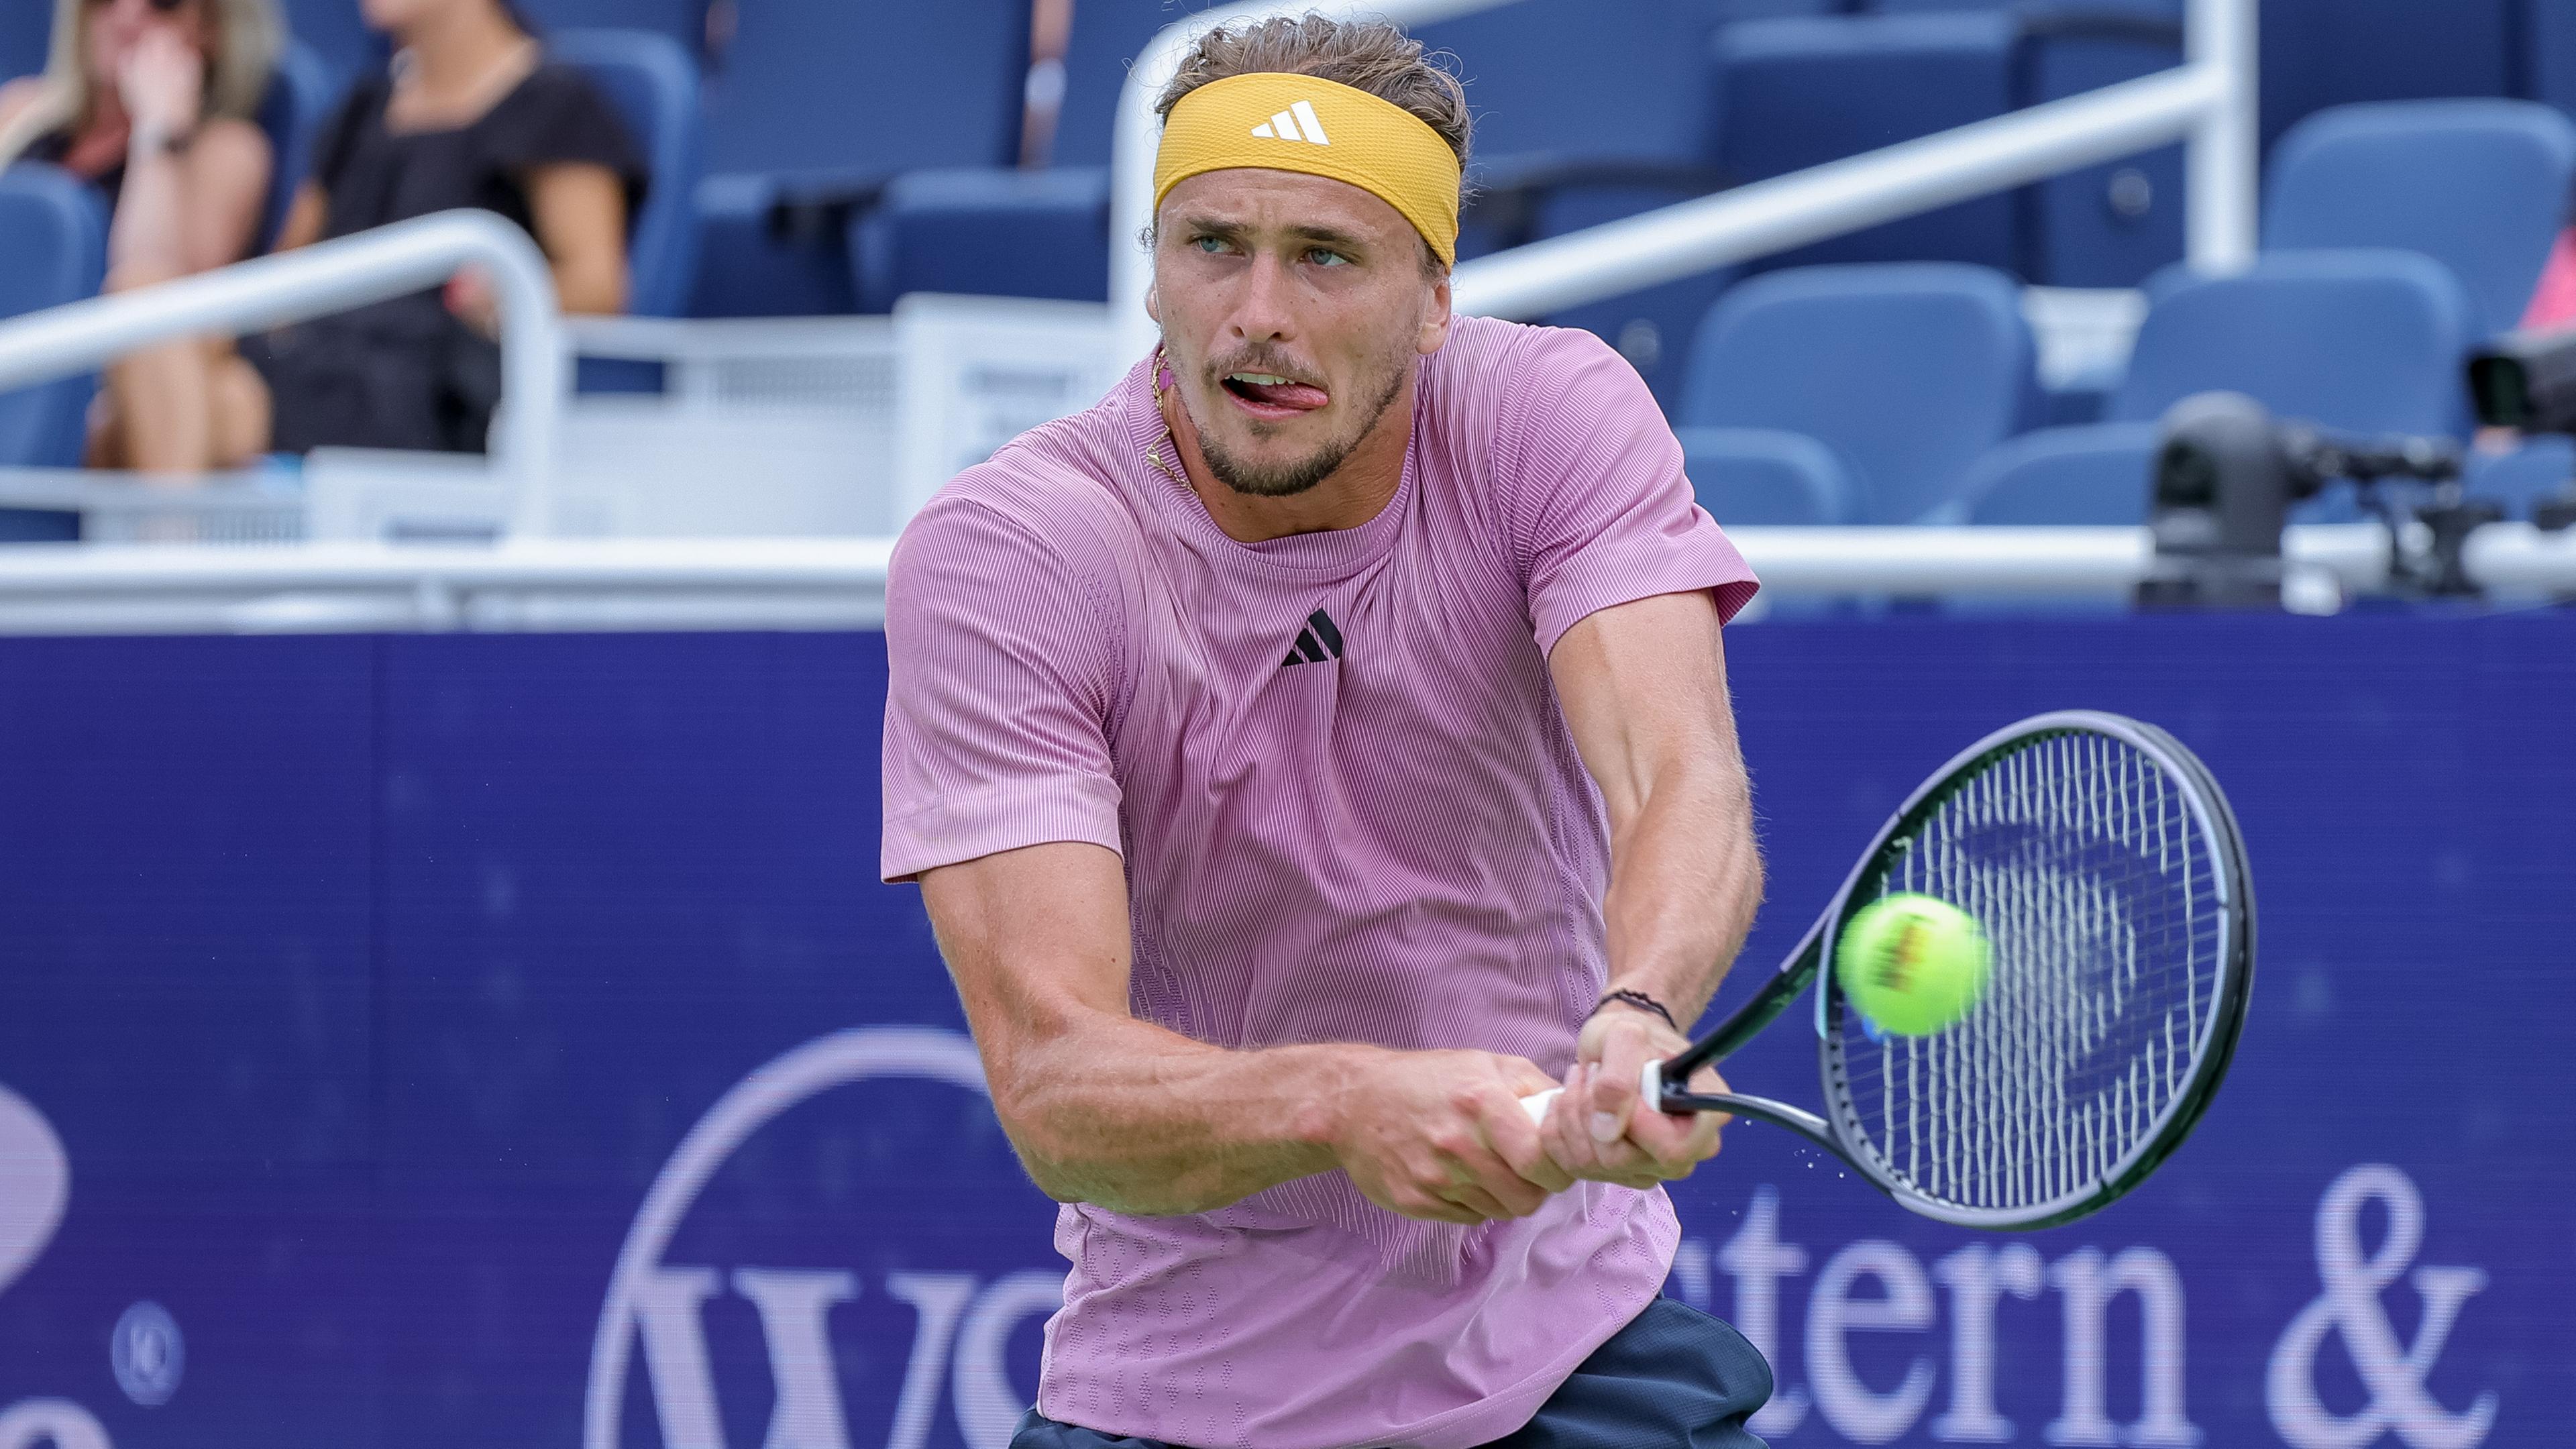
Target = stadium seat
(2549,52)
(2321,53)
(654,84)
(2480,186)
(683,21)
(1907,371)
(338,33)
(2363,340)
(1796,93)
(1760,477)
(53,230)
(26,34)
(2064,476)
(987,231)
(820,104)
(299,100)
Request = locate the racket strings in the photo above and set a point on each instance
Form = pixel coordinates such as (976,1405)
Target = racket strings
(2090,868)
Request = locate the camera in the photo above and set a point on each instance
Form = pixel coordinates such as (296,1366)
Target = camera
(2227,472)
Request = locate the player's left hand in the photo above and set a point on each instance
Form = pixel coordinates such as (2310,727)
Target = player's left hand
(1599,1129)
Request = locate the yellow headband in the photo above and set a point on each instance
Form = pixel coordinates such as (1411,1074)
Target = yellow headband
(1282,122)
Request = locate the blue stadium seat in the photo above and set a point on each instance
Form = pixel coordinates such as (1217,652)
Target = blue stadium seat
(1907,371)
(2321,53)
(820,104)
(300,98)
(987,231)
(2480,186)
(2549,52)
(339,35)
(2063,476)
(654,84)
(1759,477)
(1795,93)
(683,21)
(53,230)
(26,34)
(2369,341)
(2109,225)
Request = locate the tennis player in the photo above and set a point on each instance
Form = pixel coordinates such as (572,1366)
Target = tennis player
(1305,754)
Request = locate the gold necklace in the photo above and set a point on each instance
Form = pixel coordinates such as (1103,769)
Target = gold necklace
(1154,454)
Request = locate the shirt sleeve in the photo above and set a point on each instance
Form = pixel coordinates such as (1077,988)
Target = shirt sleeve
(1000,675)
(1591,482)
(562,119)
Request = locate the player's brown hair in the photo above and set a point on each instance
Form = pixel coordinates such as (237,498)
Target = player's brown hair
(1366,55)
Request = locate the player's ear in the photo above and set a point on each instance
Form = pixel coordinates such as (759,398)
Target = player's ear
(1435,316)
(1154,300)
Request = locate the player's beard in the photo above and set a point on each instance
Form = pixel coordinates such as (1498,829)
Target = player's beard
(1295,476)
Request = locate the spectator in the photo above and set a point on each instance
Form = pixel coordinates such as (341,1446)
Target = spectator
(152,101)
(2553,302)
(470,114)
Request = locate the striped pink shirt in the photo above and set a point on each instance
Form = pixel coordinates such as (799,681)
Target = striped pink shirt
(1350,810)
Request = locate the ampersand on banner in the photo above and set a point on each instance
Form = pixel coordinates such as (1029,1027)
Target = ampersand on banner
(2350,1308)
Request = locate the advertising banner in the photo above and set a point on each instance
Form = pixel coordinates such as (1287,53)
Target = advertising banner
(437,1041)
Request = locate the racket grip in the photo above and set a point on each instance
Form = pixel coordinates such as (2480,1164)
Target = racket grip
(1650,1092)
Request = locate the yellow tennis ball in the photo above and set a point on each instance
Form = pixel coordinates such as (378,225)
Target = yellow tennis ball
(1913,964)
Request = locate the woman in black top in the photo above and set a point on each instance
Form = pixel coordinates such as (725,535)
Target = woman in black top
(152,101)
(470,115)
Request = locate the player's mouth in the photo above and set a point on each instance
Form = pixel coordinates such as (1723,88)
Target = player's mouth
(1270,397)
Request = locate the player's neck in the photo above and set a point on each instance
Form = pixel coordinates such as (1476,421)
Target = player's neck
(1351,495)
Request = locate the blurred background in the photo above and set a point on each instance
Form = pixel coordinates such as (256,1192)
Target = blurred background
(445,993)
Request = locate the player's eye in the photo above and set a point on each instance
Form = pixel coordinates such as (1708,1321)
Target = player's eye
(1212,245)
(1326,257)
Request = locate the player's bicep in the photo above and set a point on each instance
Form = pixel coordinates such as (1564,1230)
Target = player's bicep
(1643,688)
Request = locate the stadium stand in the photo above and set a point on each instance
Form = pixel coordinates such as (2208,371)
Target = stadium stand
(54,233)
(2478,185)
(25,35)
(1747,477)
(2550,53)
(820,105)
(2089,475)
(1907,371)
(2362,340)
(339,35)
(1799,92)
(653,82)
(683,22)
(299,100)
(2321,53)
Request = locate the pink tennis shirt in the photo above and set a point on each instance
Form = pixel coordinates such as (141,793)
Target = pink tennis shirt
(1350,810)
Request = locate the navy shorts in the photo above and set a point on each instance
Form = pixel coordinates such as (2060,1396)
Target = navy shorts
(1674,1378)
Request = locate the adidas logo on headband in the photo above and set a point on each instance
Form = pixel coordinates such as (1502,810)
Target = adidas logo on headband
(1286,126)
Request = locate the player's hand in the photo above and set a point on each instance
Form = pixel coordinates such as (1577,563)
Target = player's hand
(1443,1136)
(1600,1130)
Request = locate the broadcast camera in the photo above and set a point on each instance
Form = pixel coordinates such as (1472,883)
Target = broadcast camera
(2226,474)
(2527,380)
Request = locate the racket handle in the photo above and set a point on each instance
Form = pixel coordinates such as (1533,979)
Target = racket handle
(1650,1092)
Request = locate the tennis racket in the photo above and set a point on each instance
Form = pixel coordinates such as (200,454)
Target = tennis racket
(2105,866)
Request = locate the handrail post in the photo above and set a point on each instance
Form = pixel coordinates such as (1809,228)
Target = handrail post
(2221,217)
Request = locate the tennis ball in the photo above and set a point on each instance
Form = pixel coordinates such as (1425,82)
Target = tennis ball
(1912,963)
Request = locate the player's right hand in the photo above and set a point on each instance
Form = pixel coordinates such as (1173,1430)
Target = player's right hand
(1442,1135)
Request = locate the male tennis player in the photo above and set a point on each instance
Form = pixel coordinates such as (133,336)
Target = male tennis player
(1306,753)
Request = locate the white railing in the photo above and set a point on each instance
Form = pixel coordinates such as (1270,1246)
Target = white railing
(333,277)
(839,583)
(2209,101)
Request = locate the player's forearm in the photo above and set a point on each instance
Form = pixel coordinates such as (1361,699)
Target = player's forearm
(1685,880)
(1131,1117)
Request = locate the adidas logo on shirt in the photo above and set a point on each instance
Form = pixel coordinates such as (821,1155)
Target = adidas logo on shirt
(1318,641)
(1297,123)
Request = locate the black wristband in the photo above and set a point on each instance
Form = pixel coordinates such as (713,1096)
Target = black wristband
(1637,999)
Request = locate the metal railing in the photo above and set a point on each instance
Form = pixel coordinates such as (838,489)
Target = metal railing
(335,276)
(2208,101)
